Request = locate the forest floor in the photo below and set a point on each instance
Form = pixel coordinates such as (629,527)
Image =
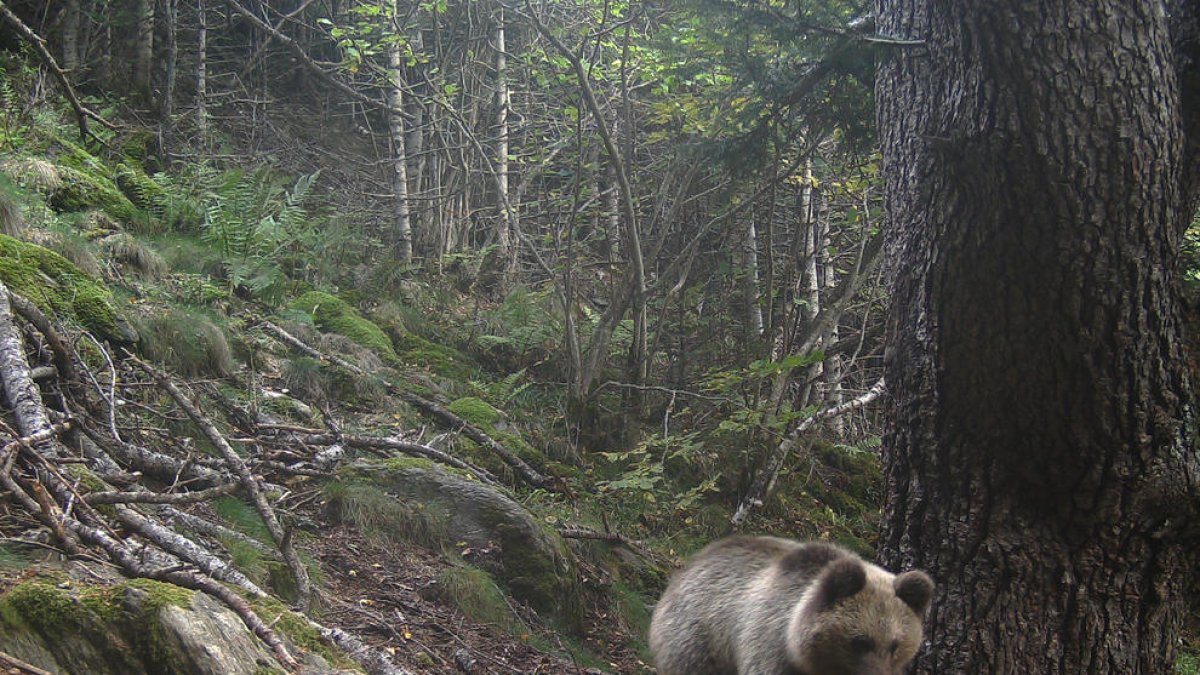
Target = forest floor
(387,594)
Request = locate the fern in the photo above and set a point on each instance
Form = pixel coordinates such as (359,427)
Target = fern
(259,228)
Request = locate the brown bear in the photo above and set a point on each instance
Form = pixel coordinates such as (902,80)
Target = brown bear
(770,606)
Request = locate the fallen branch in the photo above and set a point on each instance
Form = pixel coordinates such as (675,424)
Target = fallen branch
(764,479)
(20,392)
(64,357)
(374,660)
(11,665)
(185,549)
(405,447)
(146,497)
(130,564)
(518,465)
(235,463)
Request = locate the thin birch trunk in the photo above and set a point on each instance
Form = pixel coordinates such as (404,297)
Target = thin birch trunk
(400,207)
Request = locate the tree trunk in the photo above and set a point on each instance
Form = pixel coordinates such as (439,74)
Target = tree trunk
(143,49)
(507,228)
(201,72)
(749,284)
(1038,457)
(399,159)
(70,36)
(169,56)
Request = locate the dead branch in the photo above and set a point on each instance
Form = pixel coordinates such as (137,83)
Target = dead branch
(11,665)
(248,482)
(64,357)
(20,392)
(527,473)
(414,449)
(146,497)
(131,565)
(376,661)
(215,530)
(764,479)
(30,441)
(185,549)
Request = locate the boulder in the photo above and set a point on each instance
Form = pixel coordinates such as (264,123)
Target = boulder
(490,529)
(81,619)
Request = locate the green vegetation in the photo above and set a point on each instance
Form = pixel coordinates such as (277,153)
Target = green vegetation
(186,341)
(380,515)
(1188,663)
(59,287)
(337,316)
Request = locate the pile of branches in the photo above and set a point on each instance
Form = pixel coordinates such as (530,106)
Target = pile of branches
(99,411)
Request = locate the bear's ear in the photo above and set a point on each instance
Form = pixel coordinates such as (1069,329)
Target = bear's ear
(915,588)
(841,579)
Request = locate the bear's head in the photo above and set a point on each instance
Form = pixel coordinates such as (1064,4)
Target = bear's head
(858,619)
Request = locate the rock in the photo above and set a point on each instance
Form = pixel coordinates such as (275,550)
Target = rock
(68,620)
(491,530)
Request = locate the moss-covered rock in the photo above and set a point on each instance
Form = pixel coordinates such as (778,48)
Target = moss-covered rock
(440,359)
(141,190)
(476,411)
(335,315)
(65,622)
(80,190)
(58,287)
(499,536)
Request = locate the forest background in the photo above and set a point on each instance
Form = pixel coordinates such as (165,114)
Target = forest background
(637,247)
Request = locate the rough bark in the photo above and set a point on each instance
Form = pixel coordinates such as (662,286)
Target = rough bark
(1039,459)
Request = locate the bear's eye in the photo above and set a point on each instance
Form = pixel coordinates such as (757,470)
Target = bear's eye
(862,645)
(894,646)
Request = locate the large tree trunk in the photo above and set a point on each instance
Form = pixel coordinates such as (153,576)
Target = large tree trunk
(1039,455)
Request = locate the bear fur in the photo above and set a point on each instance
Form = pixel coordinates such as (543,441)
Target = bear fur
(770,606)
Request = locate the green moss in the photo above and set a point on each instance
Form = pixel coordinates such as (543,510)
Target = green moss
(446,361)
(82,190)
(138,144)
(187,342)
(335,315)
(52,606)
(160,595)
(476,411)
(42,605)
(140,189)
(474,593)
(59,287)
